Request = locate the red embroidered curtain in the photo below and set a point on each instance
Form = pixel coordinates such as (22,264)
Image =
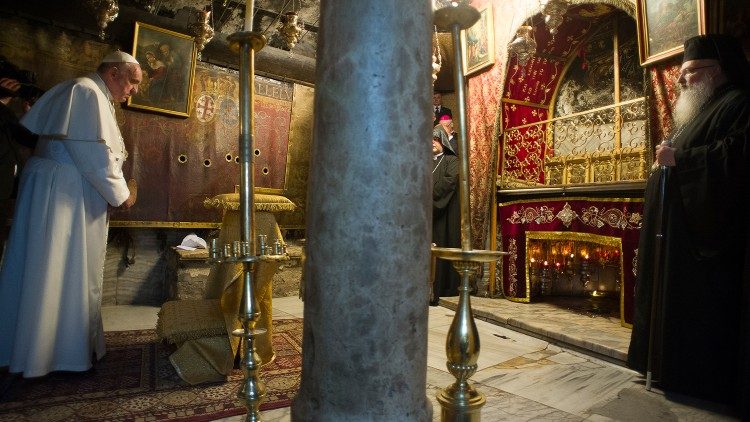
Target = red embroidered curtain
(614,217)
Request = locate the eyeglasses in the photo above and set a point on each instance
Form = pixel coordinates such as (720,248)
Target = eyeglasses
(691,70)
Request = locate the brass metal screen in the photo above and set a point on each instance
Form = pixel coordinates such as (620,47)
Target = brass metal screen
(603,145)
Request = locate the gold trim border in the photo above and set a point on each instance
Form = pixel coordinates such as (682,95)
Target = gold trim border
(568,198)
(580,113)
(167,224)
(524,103)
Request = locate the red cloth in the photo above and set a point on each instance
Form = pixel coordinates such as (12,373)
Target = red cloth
(662,78)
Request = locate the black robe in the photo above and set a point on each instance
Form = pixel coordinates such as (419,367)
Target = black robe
(703,350)
(12,134)
(446,222)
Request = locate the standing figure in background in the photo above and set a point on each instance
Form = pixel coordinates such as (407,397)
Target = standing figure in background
(438,109)
(16,142)
(51,277)
(702,338)
(446,214)
(446,125)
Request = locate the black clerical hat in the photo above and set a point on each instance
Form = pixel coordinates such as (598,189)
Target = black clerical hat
(724,48)
(440,134)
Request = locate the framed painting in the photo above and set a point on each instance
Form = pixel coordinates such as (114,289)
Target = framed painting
(664,25)
(479,42)
(167,59)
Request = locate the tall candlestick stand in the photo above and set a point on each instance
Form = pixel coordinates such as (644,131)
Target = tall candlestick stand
(252,391)
(460,401)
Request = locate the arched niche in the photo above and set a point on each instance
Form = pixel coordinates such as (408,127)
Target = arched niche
(583,80)
(575,112)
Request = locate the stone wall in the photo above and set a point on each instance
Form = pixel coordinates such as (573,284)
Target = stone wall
(135,268)
(142,267)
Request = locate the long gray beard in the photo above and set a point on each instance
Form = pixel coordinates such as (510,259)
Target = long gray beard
(690,101)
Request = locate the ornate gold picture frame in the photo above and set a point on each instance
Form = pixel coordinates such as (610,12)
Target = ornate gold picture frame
(664,25)
(167,59)
(479,42)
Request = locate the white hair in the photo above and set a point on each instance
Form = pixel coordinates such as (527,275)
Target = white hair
(691,100)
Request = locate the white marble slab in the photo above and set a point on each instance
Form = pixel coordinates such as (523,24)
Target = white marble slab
(123,318)
(572,388)
(291,305)
(522,377)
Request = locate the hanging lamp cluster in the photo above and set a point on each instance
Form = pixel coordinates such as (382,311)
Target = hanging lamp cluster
(105,12)
(523,45)
(437,58)
(202,30)
(554,13)
(290,27)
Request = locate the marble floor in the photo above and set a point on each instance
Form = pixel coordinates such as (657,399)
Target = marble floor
(546,368)
(558,322)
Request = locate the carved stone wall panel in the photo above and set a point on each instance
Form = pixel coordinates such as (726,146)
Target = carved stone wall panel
(52,53)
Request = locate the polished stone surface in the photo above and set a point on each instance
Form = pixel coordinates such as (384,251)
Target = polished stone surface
(368,216)
(602,336)
(523,377)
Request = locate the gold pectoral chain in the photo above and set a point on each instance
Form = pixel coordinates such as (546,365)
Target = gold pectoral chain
(438,163)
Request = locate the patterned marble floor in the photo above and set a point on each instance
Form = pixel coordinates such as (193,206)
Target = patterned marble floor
(602,336)
(523,377)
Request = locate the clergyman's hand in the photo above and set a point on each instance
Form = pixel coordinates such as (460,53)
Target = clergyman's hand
(10,84)
(8,89)
(665,155)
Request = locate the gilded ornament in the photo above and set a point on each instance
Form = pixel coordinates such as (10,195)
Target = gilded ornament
(524,45)
(554,14)
(290,27)
(105,11)
(202,30)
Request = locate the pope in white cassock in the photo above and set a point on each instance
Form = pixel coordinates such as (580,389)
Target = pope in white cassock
(52,271)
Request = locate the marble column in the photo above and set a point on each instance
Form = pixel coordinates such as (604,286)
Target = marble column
(369,216)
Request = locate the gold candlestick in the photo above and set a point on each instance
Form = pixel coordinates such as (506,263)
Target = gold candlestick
(460,401)
(246,43)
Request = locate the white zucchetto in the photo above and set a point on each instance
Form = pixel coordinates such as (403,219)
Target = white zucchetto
(119,57)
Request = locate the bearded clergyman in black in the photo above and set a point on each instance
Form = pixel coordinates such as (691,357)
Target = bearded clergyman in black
(702,336)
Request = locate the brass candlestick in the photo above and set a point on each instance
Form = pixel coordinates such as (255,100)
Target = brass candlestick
(246,43)
(460,401)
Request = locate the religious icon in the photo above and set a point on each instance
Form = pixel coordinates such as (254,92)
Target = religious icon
(664,25)
(168,62)
(479,43)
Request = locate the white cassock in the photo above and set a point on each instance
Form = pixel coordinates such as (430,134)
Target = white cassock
(52,272)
